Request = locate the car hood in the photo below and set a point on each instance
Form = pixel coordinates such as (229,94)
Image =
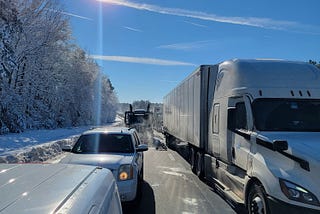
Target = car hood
(43,188)
(110,161)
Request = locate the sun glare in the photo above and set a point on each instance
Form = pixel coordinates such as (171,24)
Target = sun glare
(100,50)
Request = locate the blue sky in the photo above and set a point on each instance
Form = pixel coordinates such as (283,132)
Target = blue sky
(149,46)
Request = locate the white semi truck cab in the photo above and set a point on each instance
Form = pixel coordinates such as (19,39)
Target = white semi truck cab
(258,135)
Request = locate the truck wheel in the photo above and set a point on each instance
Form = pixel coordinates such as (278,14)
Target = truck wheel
(257,203)
(193,160)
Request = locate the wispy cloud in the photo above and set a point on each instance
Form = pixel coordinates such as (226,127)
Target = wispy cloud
(187,46)
(248,21)
(196,24)
(141,60)
(132,29)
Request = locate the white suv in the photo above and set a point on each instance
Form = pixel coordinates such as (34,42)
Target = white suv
(114,148)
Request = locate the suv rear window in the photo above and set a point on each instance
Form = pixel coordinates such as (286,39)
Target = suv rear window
(104,143)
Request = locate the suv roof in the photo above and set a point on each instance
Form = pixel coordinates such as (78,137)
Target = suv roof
(123,130)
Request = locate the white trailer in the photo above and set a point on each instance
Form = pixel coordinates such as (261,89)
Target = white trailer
(252,128)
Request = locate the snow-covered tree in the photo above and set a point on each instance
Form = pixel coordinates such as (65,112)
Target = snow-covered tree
(9,31)
(45,81)
(109,101)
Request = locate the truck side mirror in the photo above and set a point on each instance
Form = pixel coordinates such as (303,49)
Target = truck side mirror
(148,107)
(127,117)
(280,145)
(232,118)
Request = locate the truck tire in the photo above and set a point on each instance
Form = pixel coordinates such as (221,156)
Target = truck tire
(257,203)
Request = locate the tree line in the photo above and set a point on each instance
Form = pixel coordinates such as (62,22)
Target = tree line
(46,81)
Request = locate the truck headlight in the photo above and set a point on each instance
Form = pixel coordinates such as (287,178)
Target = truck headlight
(125,172)
(297,193)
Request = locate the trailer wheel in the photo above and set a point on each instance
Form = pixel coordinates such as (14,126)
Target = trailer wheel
(257,203)
(193,160)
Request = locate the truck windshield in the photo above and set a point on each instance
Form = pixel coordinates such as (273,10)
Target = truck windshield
(103,143)
(299,115)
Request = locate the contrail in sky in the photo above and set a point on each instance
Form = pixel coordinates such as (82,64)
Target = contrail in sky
(196,24)
(77,16)
(70,14)
(248,21)
(188,46)
(266,23)
(141,60)
(132,29)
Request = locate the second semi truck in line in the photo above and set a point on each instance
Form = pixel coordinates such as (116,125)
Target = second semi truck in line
(253,130)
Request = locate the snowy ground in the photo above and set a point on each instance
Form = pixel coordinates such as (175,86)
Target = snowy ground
(39,145)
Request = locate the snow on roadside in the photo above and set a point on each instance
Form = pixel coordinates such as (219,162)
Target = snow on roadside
(39,145)
(36,145)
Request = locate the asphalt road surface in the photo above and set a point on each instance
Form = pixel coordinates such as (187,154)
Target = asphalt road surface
(170,187)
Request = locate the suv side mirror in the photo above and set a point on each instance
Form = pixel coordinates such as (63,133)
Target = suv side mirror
(280,145)
(142,148)
(66,148)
